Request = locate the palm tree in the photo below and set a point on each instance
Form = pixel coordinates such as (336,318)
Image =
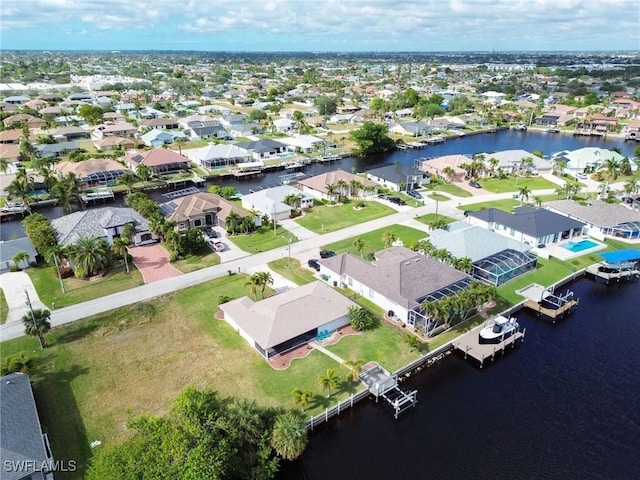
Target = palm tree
(464,264)
(343,185)
(359,245)
(301,397)
(264,279)
(36,324)
(331,189)
(156,225)
(128,233)
(143,172)
(355,367)
(292,199)
(289,435)
(610,170)
(179,141)
(19,258)
(244,417)
(328,381)
(524,193)
(493,163)
(128,180)
(412,342)
(538,201)
(355,186)
(4,164)
(388,237)
(449,173)
(120,248)
(231,222)
(64,193)
(88,255)
(631,187)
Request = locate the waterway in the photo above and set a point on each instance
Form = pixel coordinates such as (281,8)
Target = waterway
(491,142)
(564,404)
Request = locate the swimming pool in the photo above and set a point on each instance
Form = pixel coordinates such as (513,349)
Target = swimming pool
(579,246)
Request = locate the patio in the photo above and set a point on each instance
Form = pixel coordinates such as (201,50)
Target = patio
(562,249)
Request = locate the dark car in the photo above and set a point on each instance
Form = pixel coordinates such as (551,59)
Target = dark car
(327,253)
(475,184)
(313,263)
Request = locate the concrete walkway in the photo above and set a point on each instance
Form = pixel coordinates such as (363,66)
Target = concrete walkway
(13,285)
(327,352)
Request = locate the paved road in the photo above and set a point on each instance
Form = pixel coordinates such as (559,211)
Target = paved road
(305,248)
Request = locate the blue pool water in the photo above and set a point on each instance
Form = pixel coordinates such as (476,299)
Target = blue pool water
(579,246)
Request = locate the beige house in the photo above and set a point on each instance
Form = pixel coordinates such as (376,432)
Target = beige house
(285,321)
(317,186)
(93,171)
(200,209)
(436,166)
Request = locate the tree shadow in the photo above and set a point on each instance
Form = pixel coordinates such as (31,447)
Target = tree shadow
(347,386)
(321,401)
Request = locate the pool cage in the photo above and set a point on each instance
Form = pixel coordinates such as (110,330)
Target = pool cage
(417,316)
(628,230)
(109,177)
(502,267)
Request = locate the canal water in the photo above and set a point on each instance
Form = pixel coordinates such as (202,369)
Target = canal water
(564,404)
(491,142)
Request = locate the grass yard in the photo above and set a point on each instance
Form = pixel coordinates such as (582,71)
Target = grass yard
(262,240)
(4,308)
(292,270)
(328,218)
(507,205)
(498,185)
(373,240)
(438,197)
(431,217)
(449,188)
(46,283)
(547,273)
(206,258)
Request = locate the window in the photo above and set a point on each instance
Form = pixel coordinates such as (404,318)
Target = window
(197,222)
(370,293)
(512,232)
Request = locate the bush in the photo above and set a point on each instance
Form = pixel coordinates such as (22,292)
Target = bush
(361,319)
(13,268)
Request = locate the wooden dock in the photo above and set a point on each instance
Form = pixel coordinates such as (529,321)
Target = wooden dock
(552,313)
(594,270)
(470,345)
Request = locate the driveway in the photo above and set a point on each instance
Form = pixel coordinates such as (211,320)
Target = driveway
(13,285)
(153,262)
(296,229)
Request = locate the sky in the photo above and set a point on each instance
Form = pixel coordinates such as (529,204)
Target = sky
(321,25)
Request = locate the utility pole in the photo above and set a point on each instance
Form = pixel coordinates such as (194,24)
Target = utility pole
(33,319)
(55,260)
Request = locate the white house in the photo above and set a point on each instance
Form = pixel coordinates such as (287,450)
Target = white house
(270,201)
(217,155)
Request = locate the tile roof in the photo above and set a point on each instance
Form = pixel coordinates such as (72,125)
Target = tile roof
(396,173)
(319,182)
(184,208)
(282,317)
(598,213)
(155,157)
(92,223)
(87,167)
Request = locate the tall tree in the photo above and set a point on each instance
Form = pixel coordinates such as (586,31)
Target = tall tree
(301,397)
(372,138)
(359,245)
(388,237)
(89,255)
(289,436)
(38,324)
(328,381)
(39,230)
(120,248)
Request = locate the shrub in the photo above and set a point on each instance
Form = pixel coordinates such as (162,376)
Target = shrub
(361,319)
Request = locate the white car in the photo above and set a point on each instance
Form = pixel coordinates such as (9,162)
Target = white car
(219,246)
(581,176)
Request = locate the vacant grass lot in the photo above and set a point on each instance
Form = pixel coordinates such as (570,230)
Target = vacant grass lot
(292,270)
(449,188)
(431,217)
(511,184)
(373,240)
(205,258)
(328,218)
(507,205)
(78,290)
(262,240)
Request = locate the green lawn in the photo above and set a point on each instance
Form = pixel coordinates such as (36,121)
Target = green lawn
(262,240)
(46,283)
(430,217)
(373,240)
(507,205)
(292,270)
(4,308)
(449,188)
(328,218)
(99,372)
(439,197)
(206,258)
(511,184)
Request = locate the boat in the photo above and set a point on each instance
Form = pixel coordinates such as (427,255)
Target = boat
(13,207)
(501,328)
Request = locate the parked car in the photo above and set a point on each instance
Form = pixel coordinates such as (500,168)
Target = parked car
(581,175)
(219,246)
(475,184)
(313,263)
(383,196)
(415,194)
(210,232)
(327,253)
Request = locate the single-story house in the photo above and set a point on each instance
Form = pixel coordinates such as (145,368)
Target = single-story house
(316,186)
(284,124)
(292,318)
(113,143)
(303,143)
(10,151)
(159,124)
(121,129)
(156,138)
(602,219)
(9,249)
(200,209)
(270,201)
(511,161)
(588,157)
(399,280)
(94,171)
(535,227)
(105,222)
(263,148)
(69,133)
(11,136)
(413,129)
(202,126)
(496,258)
(54,150)
(437,166)
(217,155)
(398,177)
(24,119)
(159,160)
(244,129)
(23,443)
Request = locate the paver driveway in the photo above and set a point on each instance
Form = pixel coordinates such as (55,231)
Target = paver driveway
(153,262)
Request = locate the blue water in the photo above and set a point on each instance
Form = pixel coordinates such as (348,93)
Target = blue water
(565,404)
(579,246)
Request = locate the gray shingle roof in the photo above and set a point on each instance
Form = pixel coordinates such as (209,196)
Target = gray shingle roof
(599,213)
(398,273)
(533,222)
(92,223)
(21,438)
(396,173)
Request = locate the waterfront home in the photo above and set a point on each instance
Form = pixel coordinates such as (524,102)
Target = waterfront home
(202,126)
(159,160)
(289,319)
(9,249)
(439,167)
(23,445)
(411,129)
(263,149)
(303,143)
(530,226)
(399,280)
(588,157)
(106,223)
(93,171)
(398,177)
(316,186)
(495,258)
(601,219)
(514,161)
(270,201)
(217,155)
(200,209)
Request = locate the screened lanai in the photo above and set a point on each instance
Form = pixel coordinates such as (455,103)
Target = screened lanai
(628,230)
(109,177)
(502,267)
